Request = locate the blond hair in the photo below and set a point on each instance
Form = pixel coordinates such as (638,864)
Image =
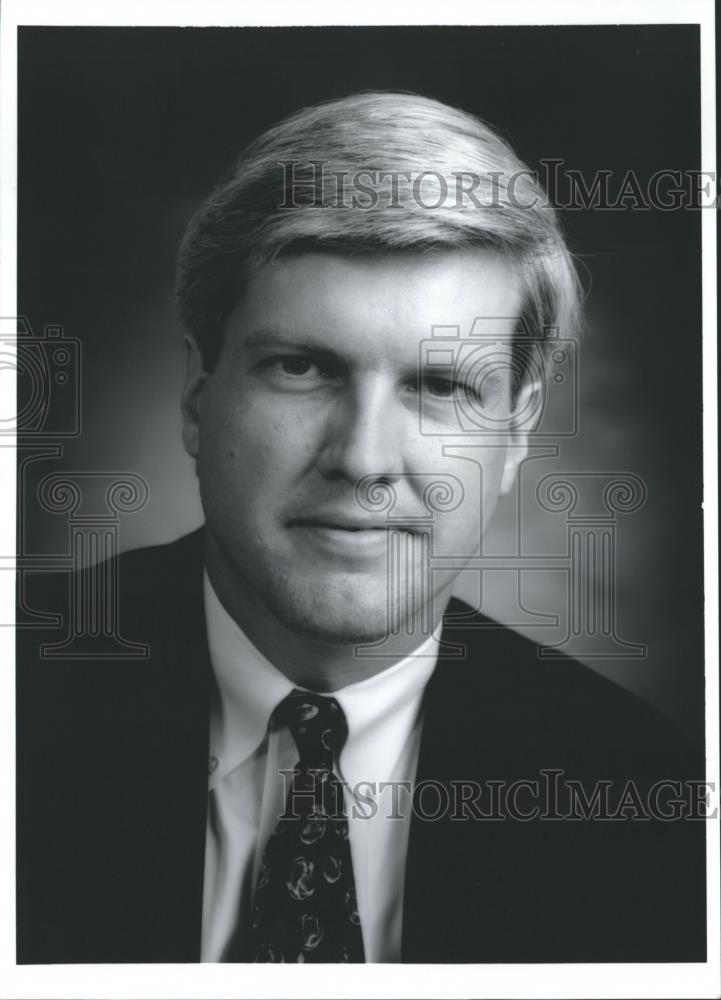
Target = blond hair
(282,196)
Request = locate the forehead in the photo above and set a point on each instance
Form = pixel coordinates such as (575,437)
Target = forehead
(376,307)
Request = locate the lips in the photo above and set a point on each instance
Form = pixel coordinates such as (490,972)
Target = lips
(348,538)
(339,523)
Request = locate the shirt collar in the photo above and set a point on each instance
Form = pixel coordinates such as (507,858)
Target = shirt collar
(380,711)
(249,687)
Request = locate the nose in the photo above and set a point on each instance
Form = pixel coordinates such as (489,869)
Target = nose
(364,436)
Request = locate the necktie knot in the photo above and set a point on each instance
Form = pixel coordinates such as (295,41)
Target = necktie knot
(318,725)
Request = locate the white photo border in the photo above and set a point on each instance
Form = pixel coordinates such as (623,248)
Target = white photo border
(196,981)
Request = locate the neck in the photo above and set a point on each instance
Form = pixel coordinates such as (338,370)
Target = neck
(304,659)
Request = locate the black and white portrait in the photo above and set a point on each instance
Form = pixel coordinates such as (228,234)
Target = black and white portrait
(360,496)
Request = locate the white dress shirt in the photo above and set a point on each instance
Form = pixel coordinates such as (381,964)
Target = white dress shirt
(247,788)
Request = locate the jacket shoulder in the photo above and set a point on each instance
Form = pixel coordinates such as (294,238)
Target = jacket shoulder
(143,579)
(549,700)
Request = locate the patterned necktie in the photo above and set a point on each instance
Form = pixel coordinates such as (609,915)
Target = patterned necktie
(304,909)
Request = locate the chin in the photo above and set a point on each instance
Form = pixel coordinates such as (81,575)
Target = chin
(338,627)
(333,613)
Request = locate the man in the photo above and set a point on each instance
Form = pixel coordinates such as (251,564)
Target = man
(242,794)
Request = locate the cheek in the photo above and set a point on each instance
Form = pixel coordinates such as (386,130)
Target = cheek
(247,449)
(480,476)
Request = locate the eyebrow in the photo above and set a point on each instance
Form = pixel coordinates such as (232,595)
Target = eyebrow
(278,339)
(274,337)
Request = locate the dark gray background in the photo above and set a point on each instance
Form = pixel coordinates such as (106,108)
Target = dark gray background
(123,131)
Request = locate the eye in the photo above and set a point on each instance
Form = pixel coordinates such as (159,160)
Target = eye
(446,389)
(301,371)
(441,388)
(299,366)
(294,365)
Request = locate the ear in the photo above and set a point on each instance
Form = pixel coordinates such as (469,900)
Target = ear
(517,447)
(195,379)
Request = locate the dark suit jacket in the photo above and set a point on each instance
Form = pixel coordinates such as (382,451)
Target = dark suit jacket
(112,797)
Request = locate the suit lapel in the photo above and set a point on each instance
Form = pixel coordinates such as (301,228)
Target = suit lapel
(430,896)
(459,871)
(177,849)
(163,771)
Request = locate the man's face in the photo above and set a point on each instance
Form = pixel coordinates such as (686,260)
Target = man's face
(319,387)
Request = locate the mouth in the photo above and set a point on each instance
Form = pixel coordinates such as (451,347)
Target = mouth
(340,525)
(351,524)
(347,537)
